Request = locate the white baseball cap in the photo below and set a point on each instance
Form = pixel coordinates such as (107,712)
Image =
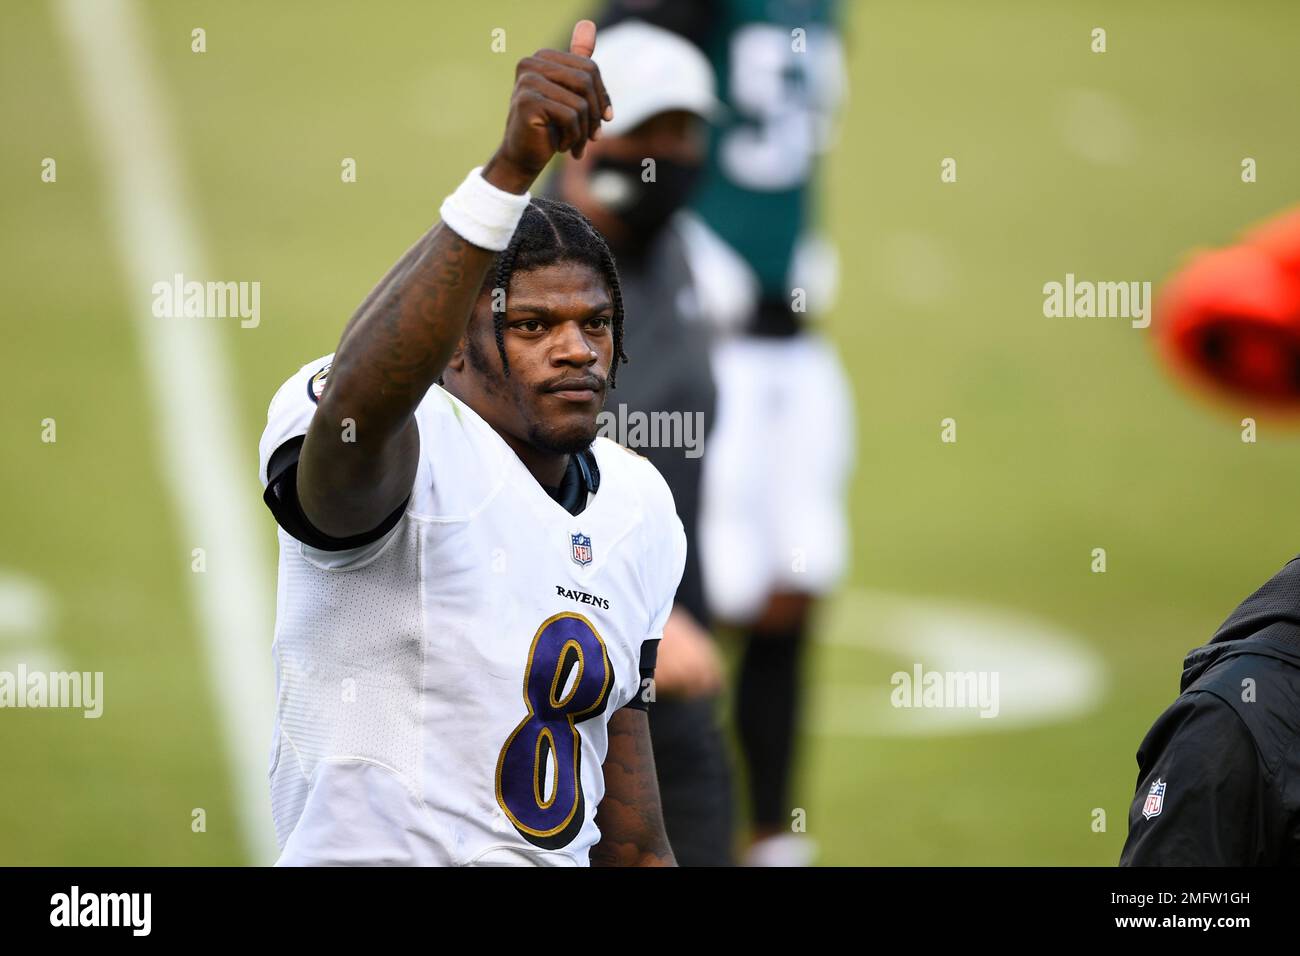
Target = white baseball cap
(648,70)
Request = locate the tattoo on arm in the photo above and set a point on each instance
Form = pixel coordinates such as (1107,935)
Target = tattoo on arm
(630,816)
(393,349)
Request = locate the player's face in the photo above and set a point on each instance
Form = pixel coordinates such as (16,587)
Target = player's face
(559,339)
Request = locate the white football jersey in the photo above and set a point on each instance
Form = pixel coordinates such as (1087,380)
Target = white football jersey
(443,693)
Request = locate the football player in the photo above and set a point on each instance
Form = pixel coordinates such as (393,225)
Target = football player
(471,588)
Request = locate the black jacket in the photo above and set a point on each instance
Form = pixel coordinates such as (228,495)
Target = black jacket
(1219,772)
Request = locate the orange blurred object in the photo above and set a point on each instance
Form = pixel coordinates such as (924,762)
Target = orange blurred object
(1229,320)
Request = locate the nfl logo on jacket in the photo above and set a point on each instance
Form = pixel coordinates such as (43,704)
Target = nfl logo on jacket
(1155,800)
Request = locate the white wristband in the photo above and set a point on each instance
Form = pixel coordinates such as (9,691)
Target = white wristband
(480,213)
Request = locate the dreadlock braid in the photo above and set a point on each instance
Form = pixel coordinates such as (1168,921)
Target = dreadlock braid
(500,287)
(552,231)
(616,293)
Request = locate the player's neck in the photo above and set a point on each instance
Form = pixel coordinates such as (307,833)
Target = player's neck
(548,467)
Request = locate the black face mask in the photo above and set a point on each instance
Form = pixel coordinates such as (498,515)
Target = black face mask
(642,206)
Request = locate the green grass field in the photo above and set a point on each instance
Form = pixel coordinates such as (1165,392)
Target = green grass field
(1070,436)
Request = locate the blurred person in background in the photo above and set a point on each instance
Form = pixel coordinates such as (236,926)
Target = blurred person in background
(773,525)
(633,184)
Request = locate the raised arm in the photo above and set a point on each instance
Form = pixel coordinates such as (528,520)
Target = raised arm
(630,816)
(401,338)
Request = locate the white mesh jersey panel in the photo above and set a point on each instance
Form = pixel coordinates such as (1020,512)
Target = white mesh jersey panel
(349,651)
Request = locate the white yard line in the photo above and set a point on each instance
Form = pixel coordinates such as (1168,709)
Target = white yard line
(210,475)
(1043,673)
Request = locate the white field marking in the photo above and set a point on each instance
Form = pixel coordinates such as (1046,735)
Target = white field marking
(205,467)
(1044,674)
(25,625)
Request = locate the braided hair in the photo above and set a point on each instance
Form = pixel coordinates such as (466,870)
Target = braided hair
(552,231)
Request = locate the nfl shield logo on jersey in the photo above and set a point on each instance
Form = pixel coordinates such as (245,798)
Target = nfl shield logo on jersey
(1155,799)
(581,548)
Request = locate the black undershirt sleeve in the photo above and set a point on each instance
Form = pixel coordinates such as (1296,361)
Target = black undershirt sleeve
(281,496)
(649,657)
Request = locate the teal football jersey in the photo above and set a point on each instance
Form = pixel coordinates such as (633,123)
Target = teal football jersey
(779,66)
